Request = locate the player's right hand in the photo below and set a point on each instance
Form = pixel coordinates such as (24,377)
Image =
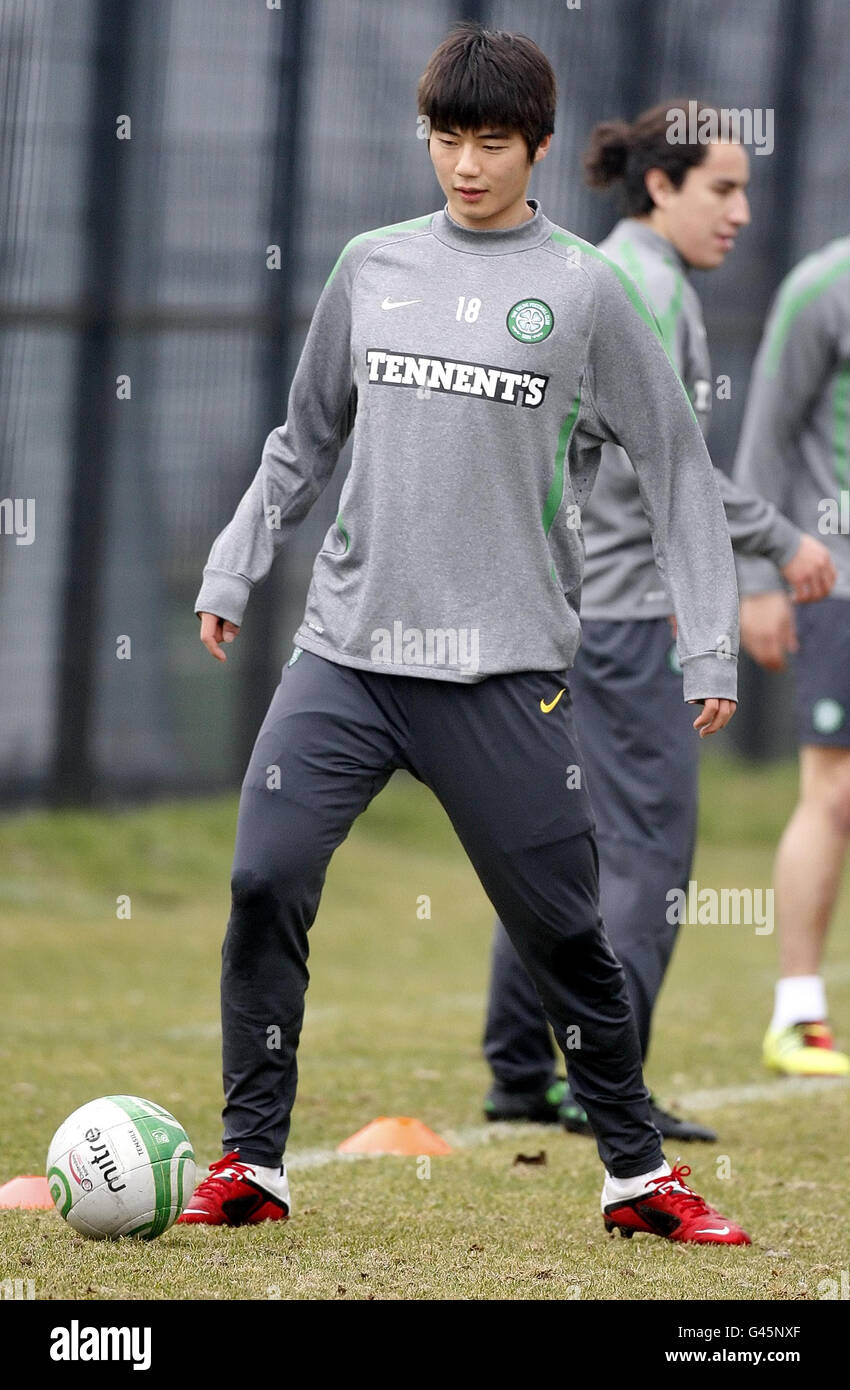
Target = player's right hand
(768,630)
(810,571)
(215,630)
(715,715)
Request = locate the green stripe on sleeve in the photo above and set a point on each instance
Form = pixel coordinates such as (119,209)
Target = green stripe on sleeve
(668,320)
(409,226)
(638,302)
(792,303)
(556,491)
(841,420)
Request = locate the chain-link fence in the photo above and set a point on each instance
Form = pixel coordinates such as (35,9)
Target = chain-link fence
(177,178)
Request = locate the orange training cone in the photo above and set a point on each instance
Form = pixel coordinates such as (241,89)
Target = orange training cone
(26,1192)
(399,1135)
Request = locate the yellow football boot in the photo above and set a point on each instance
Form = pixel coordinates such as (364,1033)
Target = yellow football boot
(804,1049)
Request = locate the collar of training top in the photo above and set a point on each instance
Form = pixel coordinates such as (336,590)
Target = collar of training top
(646,235)
(500,242)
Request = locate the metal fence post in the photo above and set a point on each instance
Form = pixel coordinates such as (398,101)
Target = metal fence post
(260,658)
(91,434)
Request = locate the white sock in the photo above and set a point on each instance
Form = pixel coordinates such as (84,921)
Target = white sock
(273,1180)
(799,999)
(621,1189)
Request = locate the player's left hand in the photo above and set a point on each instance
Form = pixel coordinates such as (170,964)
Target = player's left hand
(810,571)
(715,715)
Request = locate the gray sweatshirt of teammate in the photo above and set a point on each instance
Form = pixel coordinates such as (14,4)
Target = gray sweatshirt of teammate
(795,440)
(485,369)
(621,580)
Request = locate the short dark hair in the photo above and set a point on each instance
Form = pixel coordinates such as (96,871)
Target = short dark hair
(484,78)
(623,152)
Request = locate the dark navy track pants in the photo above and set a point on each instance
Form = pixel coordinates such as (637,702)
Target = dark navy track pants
(641,756)
(508,773)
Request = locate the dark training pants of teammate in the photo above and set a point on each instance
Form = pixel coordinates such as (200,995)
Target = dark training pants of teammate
(501,768)
(641,756)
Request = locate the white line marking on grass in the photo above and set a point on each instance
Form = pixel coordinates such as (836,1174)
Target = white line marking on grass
(470,1137)
(780,1089)
(319,1158)
(475,1136)
(193,1030)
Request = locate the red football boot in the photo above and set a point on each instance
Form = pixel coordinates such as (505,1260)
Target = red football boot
(674,1211)
(229,1198)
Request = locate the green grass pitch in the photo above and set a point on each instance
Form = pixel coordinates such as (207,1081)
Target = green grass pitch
(94,1005)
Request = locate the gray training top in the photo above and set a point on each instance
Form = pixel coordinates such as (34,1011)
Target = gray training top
(486,369)
(795,440)
(621,581)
